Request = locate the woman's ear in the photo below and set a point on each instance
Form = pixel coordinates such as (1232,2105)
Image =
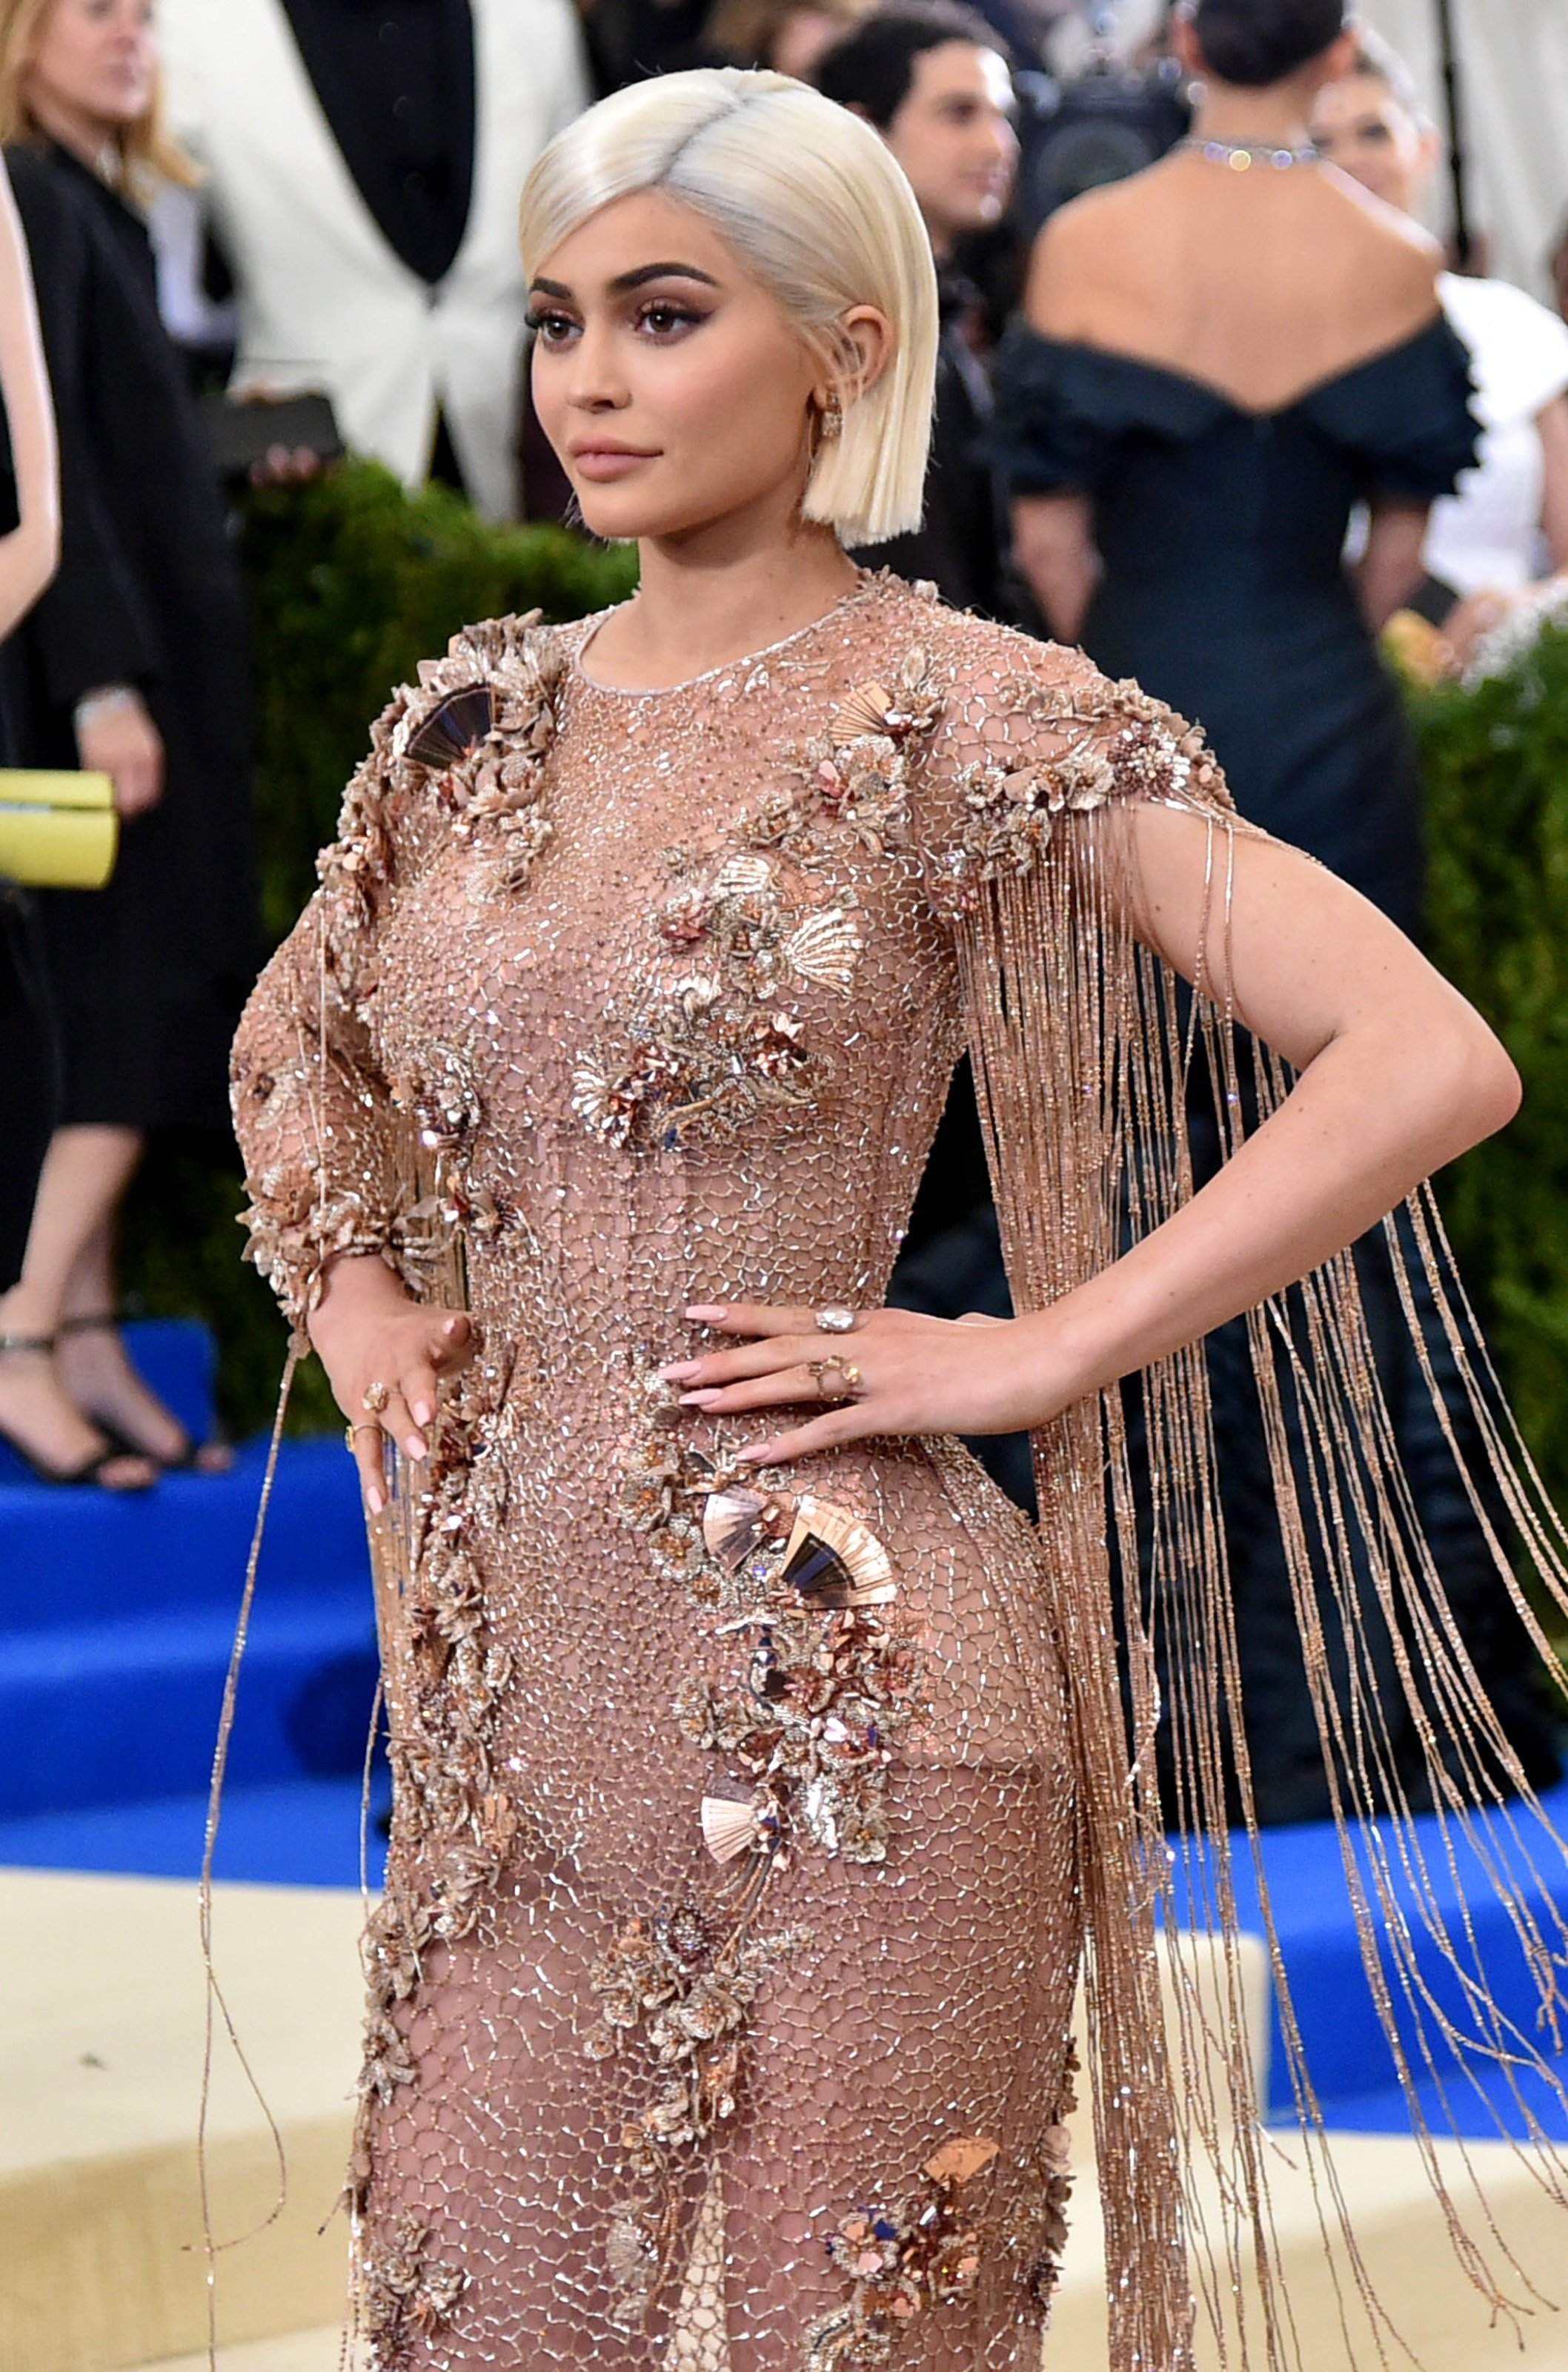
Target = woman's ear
(1339,58)
(868,344)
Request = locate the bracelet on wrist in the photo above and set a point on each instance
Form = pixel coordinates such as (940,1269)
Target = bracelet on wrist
(105,702)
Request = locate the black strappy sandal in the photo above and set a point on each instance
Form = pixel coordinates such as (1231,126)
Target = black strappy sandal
(187,1458)
(90,1471)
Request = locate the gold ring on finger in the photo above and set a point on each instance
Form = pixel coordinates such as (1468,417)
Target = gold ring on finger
(350,1432)
(375,1398)
(848,1378)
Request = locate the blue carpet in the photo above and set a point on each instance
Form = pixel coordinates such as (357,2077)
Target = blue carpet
(304,1832)
(1349,2058)
(117,1612)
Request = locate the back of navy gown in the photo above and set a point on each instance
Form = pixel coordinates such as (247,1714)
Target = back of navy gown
(1225,591)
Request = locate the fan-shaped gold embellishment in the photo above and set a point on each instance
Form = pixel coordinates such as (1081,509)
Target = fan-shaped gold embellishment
(728,1829)
(864,710)
(959,2161)
(825,948)
(835,1560)
(733,1523)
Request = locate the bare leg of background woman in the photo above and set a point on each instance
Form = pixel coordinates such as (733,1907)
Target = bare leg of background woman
(85,1173)
(96,1370)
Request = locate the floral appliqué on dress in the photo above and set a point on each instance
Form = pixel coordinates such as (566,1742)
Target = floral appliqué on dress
(714,1039)
(806,1702)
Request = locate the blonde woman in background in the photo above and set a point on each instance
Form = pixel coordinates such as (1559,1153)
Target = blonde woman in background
(1502,537)
(133,663)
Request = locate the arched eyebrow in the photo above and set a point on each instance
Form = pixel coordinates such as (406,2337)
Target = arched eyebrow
(625,282)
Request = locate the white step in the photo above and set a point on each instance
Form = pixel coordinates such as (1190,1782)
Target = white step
(100,2044)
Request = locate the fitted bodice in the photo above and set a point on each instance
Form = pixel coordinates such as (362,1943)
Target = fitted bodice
(693,1019)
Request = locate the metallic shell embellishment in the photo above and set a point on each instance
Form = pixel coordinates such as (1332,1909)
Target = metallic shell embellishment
(729,1829)
(960,2160)
(743,875)
(865,710)
(836,1561)
(734,1522)
(455,730)
(825,948)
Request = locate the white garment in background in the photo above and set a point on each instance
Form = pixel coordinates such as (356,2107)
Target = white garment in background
(1488,534)
(324,302)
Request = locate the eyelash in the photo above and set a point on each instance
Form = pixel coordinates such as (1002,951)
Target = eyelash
(553,328)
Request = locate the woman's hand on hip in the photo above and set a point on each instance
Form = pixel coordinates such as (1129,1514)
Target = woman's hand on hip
(895,1372)
(384,1355)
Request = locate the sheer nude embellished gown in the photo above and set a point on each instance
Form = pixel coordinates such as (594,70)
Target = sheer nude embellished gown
(744,1833)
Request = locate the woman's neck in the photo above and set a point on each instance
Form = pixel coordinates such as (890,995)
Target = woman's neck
(1275,118)
(705,601)
(87,137)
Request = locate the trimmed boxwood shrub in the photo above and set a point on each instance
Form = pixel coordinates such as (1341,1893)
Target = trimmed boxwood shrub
(1496,760)
(353,582)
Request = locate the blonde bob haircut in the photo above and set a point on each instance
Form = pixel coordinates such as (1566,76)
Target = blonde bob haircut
(812,203)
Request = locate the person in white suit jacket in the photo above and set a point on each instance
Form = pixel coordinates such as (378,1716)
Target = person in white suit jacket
(366,164)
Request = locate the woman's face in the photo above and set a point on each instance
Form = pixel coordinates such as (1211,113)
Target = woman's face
(673,386)
(1362,128)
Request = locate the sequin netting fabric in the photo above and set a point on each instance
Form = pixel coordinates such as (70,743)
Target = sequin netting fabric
(720,1996)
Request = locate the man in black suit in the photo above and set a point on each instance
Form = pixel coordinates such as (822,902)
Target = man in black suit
(931,77)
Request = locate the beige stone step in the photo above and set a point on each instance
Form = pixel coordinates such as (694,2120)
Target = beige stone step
(303,2351)
(101,2029)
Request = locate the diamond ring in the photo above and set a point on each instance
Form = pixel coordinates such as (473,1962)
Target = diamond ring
(835,1320)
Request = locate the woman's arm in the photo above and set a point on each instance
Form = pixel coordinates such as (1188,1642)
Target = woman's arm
(1552,426)
(31,553)
(1390,568)
(1053,544)
(1399,1076)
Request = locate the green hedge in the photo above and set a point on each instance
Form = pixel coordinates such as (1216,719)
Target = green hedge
(353,582)
(1496,757)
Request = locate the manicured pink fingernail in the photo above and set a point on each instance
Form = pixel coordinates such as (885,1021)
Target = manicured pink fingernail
(701,1400)
(422,1412)
(703,1312)
(417,1446)
(375,1500)
(678,1371)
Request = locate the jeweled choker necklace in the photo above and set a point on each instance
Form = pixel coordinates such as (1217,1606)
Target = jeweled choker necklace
(1242,154)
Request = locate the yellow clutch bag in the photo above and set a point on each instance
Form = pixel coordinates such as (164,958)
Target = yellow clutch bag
(57,830)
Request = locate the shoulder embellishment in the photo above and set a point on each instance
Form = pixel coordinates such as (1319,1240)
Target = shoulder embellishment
(474,732)
(1116,743)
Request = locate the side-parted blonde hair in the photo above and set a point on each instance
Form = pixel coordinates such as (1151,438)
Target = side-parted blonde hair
(146,153)
(812,203)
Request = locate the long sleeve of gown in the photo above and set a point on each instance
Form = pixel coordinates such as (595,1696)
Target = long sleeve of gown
(332,1143)
(312,1110)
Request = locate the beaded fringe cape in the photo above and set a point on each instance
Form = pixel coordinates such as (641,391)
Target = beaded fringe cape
(999,780)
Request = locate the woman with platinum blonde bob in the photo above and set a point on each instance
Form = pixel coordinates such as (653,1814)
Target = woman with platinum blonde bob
(762,1779)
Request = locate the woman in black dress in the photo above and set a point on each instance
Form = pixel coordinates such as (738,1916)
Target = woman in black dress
(133,663)
(1223,357)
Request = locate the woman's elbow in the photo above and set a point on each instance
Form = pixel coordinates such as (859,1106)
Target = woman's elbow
(1479,1086)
